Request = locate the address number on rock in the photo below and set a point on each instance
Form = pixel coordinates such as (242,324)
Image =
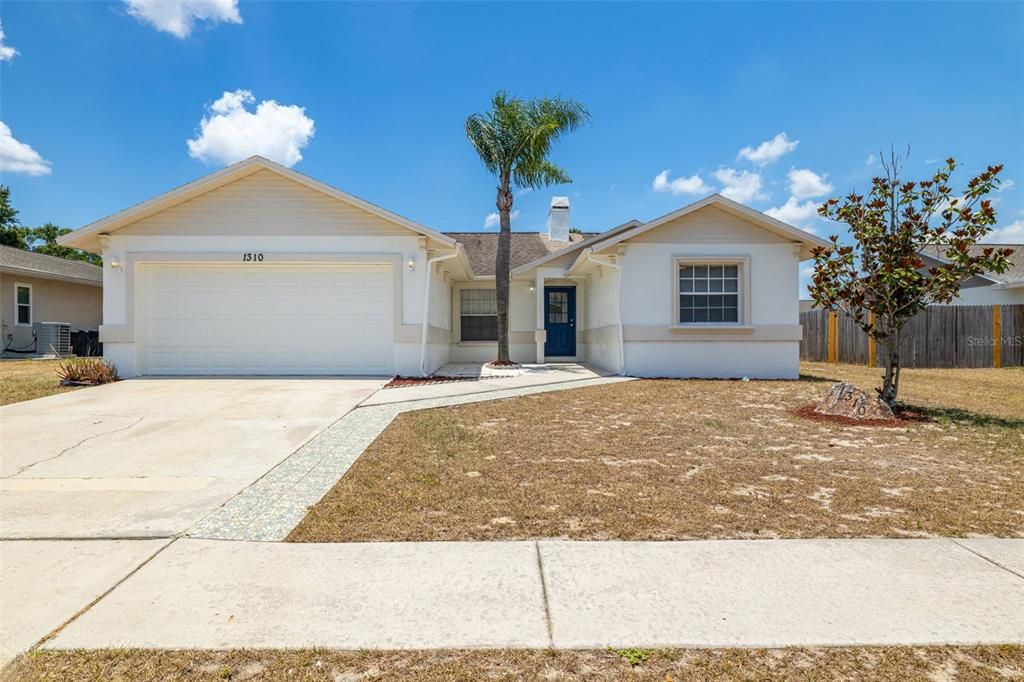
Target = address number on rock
(252,257)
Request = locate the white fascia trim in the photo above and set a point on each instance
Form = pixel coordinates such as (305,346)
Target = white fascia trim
(39,274)
(224,176)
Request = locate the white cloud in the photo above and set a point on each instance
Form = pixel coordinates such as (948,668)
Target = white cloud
(871,160)
(769,151)
(493,220)
(6,51)
(18,157)
(1008,234)
(1006,184)
(795,213)
(805,183)
(231,133)
(178,17)
(691,185)
(741,186)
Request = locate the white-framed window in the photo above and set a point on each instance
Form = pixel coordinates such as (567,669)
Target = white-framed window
(22,304)
(710,292)
(478,315)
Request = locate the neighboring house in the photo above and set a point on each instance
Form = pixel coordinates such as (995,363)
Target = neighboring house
(990,288)
(257,269)
(38,288)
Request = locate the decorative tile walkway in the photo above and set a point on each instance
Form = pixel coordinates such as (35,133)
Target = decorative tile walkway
(272,506)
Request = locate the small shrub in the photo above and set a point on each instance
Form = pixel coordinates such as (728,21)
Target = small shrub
(634,656)
(88,371)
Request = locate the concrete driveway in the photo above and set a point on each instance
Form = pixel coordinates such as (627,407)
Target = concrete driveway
(149,458)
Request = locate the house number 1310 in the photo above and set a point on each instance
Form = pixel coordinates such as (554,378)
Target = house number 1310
(252,257)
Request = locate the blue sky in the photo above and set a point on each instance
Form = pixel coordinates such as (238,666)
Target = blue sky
(373,97)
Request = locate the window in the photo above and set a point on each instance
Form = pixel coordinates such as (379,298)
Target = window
(479,315)
(23,304)
(558,307)
(709,293)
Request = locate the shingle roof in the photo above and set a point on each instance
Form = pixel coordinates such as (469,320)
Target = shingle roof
(481,248)
(42,265)
(1014,274)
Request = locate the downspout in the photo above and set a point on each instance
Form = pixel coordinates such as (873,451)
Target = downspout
(426,306)
(618,305)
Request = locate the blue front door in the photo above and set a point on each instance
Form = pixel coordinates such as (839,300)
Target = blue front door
(560,321)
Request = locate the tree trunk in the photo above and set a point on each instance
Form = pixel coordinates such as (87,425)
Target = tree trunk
(502,269)
(891,382)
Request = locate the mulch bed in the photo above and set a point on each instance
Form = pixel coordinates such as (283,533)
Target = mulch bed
(904,418)
(401,382)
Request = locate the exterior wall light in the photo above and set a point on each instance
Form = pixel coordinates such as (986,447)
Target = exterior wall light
(412,263)
(115,263)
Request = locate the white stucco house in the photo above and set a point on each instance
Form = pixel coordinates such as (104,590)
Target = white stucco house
(258,269)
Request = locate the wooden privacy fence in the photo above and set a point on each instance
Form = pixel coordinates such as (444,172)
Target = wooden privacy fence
(940,336)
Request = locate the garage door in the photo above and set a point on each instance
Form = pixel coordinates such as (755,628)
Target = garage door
(267,319)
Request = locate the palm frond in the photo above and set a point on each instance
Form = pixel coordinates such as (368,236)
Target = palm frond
(515,137)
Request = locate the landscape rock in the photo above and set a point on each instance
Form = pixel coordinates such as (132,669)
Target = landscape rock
(846,400)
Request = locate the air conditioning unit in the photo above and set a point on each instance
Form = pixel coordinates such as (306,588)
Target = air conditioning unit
(52,337)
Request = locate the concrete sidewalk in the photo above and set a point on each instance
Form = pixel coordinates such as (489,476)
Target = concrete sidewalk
(224,594)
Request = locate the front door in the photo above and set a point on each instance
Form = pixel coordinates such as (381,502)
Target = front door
(560,321)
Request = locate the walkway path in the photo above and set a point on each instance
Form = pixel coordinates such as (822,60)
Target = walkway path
(217,594)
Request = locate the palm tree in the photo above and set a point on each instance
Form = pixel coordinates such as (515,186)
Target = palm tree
(513,140)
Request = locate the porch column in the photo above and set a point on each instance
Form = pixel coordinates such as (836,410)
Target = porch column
(540,336)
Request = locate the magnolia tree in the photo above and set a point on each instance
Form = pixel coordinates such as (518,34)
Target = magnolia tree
(881,279)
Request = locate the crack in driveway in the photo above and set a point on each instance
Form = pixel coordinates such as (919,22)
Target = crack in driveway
(72,447)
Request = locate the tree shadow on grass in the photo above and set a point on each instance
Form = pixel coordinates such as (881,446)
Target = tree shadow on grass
(818,380)
(956,415)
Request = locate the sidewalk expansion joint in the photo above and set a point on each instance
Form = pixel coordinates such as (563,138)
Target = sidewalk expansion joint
(991,561)
(544,594)
(78,614)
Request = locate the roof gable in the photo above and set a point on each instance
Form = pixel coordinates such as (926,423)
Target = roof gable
(574,246)
(260,169)
(727,212)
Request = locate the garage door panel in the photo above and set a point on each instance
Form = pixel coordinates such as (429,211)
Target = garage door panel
(267,319)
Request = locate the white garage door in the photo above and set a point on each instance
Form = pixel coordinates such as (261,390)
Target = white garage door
(267,319)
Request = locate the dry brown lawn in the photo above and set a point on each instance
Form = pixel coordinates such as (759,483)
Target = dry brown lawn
(672,460)
(28,379)
(878,663)
(995,392)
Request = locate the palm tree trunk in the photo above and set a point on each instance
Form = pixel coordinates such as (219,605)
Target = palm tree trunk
(502,268)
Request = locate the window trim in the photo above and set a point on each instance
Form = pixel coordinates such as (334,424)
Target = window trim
(462,314)
(31,304)
(743,271)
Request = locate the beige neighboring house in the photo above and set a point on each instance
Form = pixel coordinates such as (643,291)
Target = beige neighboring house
(258,269)
(988,289)
(37,288)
